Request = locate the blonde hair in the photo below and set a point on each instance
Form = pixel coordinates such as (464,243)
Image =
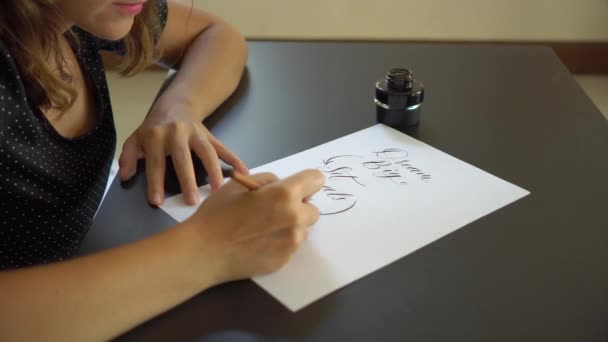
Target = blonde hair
(30,29)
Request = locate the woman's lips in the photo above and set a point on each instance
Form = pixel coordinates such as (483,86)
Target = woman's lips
(130,8)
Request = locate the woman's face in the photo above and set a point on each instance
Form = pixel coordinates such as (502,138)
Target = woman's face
(106,19)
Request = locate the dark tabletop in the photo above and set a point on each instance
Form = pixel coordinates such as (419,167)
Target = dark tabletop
(536,270)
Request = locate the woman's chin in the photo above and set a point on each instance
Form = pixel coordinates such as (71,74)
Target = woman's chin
(117,31)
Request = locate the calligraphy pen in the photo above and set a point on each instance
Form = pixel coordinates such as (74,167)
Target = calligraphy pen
(249,183)
(244,180)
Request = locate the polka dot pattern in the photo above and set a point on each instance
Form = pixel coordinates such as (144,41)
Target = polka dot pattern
(51,186)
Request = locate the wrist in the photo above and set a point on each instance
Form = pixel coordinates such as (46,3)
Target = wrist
(173,103)
(204,262)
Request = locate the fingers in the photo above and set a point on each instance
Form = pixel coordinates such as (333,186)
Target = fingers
(128,158)
(291,238)
(294,236)
(205,151)
(182,162)
(311,213)
(303,215)
(289,215)
(305,183)
(154,150)
(264,178)
(178,137)
(228,156)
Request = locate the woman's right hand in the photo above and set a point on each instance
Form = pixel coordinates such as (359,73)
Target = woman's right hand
(246,233)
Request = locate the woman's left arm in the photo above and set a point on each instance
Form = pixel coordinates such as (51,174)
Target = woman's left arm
(210,55)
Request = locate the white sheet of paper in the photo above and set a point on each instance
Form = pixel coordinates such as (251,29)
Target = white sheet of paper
(386,195)
(113,172)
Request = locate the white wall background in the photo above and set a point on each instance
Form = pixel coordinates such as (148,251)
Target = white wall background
(494,20)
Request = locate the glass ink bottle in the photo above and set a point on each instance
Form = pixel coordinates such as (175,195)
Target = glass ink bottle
(399,99)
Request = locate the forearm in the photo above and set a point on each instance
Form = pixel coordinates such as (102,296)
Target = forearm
(100,296)
(209,72)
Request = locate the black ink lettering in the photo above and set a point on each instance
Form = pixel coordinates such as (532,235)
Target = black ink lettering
(340,211)
(344,168)
(376,164)
(354,178)
(330,160)
(391,153)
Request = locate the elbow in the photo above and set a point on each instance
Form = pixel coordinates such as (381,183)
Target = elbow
(241,46)
(240,54)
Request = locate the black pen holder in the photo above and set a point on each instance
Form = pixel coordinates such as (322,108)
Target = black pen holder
(399,99)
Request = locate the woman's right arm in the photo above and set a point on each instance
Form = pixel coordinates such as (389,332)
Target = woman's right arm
(235,234)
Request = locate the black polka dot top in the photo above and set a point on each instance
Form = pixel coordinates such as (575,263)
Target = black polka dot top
(51,186)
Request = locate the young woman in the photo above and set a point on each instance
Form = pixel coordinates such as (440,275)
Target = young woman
(57,141)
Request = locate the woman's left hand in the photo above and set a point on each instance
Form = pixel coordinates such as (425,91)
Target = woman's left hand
(175,131)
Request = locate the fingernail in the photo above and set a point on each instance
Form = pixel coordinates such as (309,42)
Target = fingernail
(125,174)
(192,198)
(217,186)
(157,199)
